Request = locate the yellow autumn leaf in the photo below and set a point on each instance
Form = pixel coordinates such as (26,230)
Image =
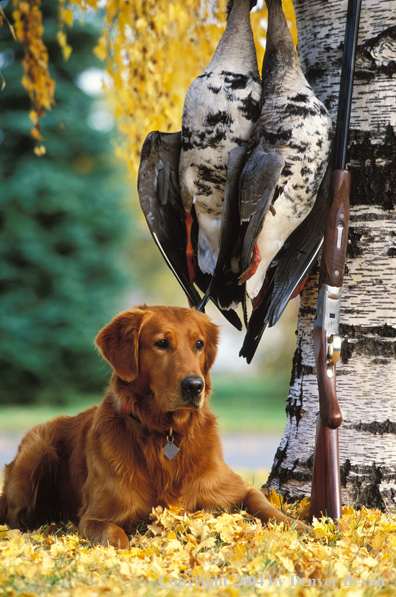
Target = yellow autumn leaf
(61,38)
(40,150)
(36,135)
(286,562)
(173,554)
(370,562)
(275,498)
(34,117)
(141,24)
(156,530)
(67,16)
(172,546)
(58,549)
(227,533)
(340,569)
(209,542)
(66,51)
(12,533)
(348,511)
(14,546)
(100,50)
(198,528)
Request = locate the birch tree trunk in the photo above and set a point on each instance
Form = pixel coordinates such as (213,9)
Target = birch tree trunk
(366,372)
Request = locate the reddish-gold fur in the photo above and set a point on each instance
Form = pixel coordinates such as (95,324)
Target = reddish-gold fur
(106,470)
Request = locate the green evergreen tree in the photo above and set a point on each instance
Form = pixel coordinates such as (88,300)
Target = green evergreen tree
(63,228)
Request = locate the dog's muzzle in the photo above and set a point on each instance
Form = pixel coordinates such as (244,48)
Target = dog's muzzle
(192,388)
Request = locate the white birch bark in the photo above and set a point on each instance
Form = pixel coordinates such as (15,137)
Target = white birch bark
(366,373)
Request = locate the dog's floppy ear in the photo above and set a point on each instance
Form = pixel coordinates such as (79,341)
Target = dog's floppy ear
(212,339)
(119,343)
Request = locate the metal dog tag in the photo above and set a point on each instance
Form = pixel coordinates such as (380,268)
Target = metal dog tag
(170,450)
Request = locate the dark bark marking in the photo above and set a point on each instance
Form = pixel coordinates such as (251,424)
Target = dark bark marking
(379,343)
(367,68)
(373,183)
(283,475)
(293,407)
(366,485)
(296,364)
(313,74)
(377,427)
(354,237)
(345,469)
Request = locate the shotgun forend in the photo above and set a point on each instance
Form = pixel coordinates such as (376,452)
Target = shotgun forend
(336,231)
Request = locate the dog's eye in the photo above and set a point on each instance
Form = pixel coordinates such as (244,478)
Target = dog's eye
(163,344)
(199,345)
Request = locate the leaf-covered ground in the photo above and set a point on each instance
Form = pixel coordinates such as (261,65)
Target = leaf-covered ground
(223,553)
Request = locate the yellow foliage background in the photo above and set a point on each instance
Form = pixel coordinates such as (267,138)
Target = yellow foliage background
(151,50)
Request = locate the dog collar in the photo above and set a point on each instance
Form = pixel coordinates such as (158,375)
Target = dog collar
(128,411)
(133,416)
(170,449)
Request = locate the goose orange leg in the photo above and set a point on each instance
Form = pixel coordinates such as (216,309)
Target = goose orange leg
(189,248)
(251,270)
(299,288)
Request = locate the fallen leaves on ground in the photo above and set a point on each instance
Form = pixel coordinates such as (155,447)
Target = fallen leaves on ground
(221,552)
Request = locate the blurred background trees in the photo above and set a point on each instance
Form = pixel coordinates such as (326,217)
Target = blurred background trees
(63,227)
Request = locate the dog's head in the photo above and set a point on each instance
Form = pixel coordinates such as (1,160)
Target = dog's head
(162,351)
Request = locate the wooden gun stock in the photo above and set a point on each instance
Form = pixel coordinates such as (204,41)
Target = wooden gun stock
(326,482)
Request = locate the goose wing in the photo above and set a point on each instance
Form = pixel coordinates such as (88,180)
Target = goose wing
(161,203)
(160,200)
(257,191)
(288,270)
(298,255)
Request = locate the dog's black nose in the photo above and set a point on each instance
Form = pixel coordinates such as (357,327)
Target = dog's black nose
(192,386)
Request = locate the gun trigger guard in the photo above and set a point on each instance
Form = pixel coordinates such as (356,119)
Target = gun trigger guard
(334,348)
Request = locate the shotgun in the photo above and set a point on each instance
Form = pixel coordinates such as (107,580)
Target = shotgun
(326,482)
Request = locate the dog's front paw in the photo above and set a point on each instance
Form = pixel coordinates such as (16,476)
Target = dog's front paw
(115,536)
(104,533)
(303,528)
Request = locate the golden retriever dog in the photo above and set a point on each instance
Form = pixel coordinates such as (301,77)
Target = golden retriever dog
(152,441)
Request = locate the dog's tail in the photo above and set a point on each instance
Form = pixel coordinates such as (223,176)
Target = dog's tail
(30,479)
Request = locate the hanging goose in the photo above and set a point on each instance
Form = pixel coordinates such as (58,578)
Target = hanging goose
(288,156)
(288,271)
(220,109)
(160,200)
